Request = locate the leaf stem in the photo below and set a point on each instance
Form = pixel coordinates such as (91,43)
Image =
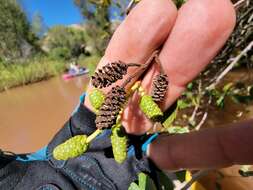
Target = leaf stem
(93,135)
(141,69)
(133,65)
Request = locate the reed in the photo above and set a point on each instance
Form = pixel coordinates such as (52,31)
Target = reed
(30,71)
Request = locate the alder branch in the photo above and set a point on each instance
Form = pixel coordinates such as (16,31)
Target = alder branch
(230,66)
(202,121)
(238,4)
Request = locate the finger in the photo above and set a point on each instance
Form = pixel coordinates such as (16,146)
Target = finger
(201,29)
(142,32)
(208,148)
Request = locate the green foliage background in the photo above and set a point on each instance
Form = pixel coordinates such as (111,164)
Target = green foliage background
(15,30)
(64,42)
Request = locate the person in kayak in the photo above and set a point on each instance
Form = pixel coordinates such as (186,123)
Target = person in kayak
(73,68)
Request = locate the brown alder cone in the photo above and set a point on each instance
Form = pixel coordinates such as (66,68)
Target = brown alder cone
(110,109)
(159,88)
(109,74)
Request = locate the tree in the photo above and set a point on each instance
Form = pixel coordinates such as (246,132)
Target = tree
(97,20)
(15,31)
(38,25)
(64,42)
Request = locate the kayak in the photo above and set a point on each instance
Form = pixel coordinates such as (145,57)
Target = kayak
(81,71)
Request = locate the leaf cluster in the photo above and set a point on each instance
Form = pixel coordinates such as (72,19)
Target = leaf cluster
(65,42)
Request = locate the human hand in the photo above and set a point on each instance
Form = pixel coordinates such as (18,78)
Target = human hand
(190,38)
(208,148)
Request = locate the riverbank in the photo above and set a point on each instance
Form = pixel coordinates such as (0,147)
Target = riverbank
(37,69)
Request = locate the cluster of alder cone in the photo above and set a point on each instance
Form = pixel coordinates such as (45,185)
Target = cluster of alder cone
(114,102)
(116,98)
(109,107)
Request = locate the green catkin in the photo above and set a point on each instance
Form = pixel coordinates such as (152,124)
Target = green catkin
(96,98)
(71,148)
(119,143)
(149,107)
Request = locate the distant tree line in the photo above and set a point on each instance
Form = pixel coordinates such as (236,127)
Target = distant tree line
(16,36)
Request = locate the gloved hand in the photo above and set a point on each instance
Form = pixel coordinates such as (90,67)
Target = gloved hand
(95,169)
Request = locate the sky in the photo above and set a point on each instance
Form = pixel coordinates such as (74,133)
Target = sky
(53,12)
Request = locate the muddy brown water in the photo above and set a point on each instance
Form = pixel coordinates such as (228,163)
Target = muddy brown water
(31,115)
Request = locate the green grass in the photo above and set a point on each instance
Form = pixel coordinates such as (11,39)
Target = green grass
(33,70)
(37,69)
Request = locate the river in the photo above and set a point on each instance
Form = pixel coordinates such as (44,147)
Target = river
(30,115)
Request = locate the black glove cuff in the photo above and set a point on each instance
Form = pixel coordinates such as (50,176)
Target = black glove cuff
(83,121)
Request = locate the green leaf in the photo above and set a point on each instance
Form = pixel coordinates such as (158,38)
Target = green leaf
(145,183)
(133,186)
(190,86)
(182,104)
(189,95)
(168,122)
(227,87)
(220,101)
(142,180)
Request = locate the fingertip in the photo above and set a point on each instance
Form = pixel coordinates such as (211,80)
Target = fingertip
(142,31)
